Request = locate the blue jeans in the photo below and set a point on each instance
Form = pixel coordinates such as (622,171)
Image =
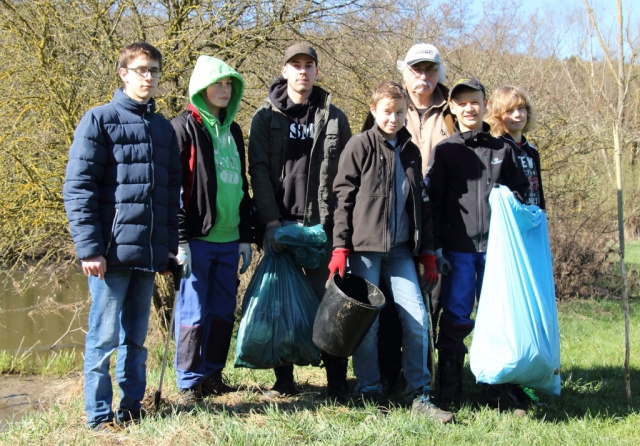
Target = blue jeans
(118,319)
(205,311)
(398,271)
(458,296)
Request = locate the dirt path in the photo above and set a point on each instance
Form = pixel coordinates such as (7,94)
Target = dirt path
(19,394)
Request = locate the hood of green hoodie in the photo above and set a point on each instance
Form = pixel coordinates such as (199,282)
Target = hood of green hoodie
(207,71)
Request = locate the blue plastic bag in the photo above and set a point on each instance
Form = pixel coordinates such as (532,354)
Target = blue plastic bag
(308,244)
(516,337)
(278,312)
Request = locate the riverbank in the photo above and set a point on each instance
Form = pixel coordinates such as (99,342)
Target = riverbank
(593,408)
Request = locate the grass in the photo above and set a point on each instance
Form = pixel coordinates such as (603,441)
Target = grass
(632,253)
(592,410)
(55,363)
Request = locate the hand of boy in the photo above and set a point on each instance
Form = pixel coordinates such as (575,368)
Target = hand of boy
(338,261)
(444,267)
(428,274)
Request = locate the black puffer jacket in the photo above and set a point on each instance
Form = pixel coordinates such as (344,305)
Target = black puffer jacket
(363,190)
(465,167)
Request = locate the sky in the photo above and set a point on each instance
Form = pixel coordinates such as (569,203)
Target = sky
(571,16)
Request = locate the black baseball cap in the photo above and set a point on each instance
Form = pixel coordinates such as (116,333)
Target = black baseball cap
(299,48)
(469,82)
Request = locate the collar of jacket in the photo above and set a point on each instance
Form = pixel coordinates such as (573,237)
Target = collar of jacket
(195,113)
(474,137)
(403,136)
(323,100)
(508,138)
(139,108)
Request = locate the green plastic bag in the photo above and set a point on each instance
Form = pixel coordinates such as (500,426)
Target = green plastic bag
(278,312)
(308,244)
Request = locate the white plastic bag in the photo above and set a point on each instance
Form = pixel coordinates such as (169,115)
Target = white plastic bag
(516,337)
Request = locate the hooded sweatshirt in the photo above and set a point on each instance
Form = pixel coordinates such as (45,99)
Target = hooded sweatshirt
(292,195)
(207,71)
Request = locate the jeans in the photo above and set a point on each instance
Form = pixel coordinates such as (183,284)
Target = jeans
(118,319)
(205,311)
(458,296)
(397,269)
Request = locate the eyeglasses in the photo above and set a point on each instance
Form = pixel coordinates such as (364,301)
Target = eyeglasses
(144,71)
(429,71)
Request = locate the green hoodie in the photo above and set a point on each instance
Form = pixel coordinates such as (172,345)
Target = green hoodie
(207,71)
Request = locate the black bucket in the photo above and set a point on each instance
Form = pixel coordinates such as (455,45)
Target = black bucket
(348,308)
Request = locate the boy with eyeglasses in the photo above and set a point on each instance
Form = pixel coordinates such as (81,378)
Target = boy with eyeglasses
(122,195)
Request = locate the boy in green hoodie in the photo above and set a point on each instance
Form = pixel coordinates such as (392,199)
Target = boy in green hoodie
(215,226)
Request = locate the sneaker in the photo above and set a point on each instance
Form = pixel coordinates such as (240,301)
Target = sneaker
(341,392)
(422,405)
(282,389)
(107,427)
(191,396)
(215,385)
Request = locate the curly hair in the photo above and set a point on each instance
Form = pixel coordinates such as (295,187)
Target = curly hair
(504,99)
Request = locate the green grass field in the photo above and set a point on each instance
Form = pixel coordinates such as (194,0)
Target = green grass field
(592,410)
(632,253)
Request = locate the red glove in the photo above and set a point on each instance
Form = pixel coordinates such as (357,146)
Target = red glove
(430,277)
(338,261)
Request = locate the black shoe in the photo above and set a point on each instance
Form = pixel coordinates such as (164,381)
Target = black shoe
(125,418)
(450,376)
(215,385)
(107,427)
(367,397)
(191,396)
(502,397)
(282,389)
(339,392)
(526,396)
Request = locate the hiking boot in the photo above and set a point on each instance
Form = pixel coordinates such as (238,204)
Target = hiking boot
(502,397)
(191,396)
(215,385)
(422,405)
(337,386)
(450,376)
(284,385)
(107,427)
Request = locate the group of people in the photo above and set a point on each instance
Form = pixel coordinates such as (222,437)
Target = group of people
(404,204)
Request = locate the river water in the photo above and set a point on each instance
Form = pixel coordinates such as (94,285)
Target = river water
(40,317)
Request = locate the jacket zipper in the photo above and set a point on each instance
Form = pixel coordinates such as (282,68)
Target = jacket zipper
(152,185)
(113,229)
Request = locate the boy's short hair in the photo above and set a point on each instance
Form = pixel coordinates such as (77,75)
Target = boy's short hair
(388,90)
(134,50)
(466,84)
(507,98)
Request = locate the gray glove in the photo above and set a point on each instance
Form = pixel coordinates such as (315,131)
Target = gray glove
(244,251)
(444,267)
(184,259)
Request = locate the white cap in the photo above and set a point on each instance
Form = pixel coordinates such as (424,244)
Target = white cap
(421,52)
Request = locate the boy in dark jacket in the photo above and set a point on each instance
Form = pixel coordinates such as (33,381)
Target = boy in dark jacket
(215,227)
(460,177)
(382,221)
(121,195)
